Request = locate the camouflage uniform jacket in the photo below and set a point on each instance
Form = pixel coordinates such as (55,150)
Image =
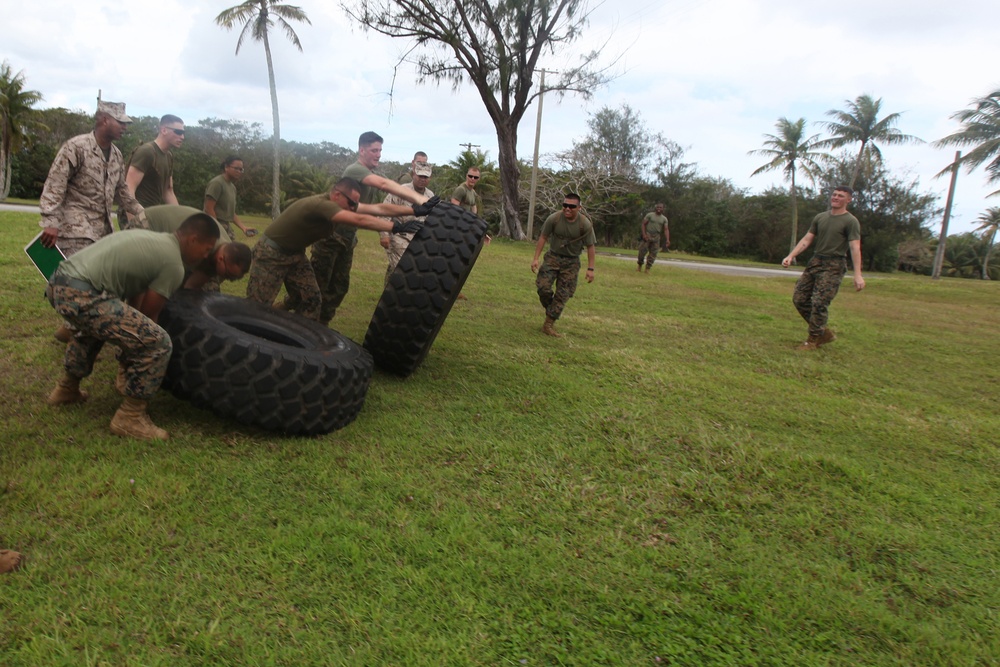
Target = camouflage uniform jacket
(81,188)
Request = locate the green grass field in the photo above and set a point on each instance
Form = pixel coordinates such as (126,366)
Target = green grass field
(671,483)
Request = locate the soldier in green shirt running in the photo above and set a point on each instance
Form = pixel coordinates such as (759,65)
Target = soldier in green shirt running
(835,232)
(113,292)
(654,225)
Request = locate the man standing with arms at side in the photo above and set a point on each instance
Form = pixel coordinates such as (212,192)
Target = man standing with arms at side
(835,231)
(465,194)
(570,232)
(220,197)
(85,179)
(653,225)
(333,257)
(395,244)
(113,292)
(150,175)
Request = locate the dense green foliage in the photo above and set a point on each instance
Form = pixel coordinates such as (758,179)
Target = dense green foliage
(668,484)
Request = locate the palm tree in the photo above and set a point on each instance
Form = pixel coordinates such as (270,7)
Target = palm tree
(15,115)
(258,18)
(989,224)
(789,151)
(980,128)
(861,124)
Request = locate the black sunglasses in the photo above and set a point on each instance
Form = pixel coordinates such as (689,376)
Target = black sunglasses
(475,178)
(179,133)
(351,204)
(570,205)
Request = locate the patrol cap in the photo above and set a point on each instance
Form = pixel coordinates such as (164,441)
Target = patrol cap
(114,109)
(422,169)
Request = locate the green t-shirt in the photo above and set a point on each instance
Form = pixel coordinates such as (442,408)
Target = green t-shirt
(169,218)
(129,263)
(465,196)
(157,167)
(568,239)
(833,232)
(655,224)
(369,195)
(303,223)
(224,194)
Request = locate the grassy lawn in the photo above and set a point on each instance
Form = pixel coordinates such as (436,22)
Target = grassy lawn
(668,484)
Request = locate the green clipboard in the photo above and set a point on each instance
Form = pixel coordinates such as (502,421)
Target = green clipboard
(46,260)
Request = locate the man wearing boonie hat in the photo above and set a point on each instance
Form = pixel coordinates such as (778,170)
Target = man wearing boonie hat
(86,178)
(395,244)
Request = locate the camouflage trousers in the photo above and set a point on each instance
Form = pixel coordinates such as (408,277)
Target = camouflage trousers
(228,226)
(650,247)
(99,317)
(332,259)
(561,272)
(271,267)
(816,288)
(398,243)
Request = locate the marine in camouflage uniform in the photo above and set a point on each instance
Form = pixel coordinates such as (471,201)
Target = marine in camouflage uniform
(570,231)
(396,244)
(112,292)
(85,180)
(835,231)
(654,225)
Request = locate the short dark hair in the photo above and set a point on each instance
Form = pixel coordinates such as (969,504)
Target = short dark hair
(170,118)
(346,182)
(845,188)
(201,225)
(231,159)
(369,138)
(572,195)
(419,154)
(239,254)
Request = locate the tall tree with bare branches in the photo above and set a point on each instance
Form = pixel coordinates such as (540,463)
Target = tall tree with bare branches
(497,46)
(258,18)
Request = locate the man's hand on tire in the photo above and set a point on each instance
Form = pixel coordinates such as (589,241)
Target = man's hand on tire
(420,210)
(410,226)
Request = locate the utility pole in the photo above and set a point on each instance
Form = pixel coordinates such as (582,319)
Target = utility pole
(469,146)
(939,255)
(534,161)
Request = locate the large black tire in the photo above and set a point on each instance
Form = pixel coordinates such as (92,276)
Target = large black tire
(249,362)
(423,287)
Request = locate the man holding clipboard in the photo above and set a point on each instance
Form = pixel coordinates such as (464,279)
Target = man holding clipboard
(85,179)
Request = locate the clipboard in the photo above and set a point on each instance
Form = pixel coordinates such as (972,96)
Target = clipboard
(46,260)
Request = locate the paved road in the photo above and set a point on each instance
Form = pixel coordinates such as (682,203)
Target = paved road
(20,208)
(727,269)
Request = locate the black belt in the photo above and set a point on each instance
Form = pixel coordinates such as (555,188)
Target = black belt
(66,281)
(266,240)
(831,256)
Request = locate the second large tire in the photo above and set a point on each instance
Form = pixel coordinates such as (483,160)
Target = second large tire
(249,362)
(422,289)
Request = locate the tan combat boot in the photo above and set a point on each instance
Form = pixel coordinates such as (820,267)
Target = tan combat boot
(9,560)
(132,421)
(67,391)
(549,328)
(63,334)
(826,337)
(812,343)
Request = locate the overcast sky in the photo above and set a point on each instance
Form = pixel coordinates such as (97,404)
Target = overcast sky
(712,75)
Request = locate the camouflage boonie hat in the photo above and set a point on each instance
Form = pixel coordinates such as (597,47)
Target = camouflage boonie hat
(114,109)
(422,169)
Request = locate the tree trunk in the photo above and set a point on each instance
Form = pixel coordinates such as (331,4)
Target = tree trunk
(276,178)
(6,166)
(510,176)
(795,216)
(986,259)
(857,165)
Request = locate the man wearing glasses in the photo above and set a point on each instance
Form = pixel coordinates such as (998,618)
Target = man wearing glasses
(220,196)
(280,255)
(465,194)
(150,175)
(570,231)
